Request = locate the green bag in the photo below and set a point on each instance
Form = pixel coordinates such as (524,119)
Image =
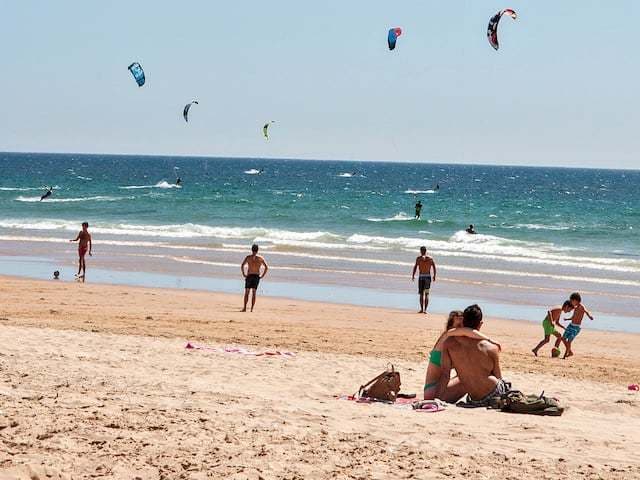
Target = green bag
(514,401)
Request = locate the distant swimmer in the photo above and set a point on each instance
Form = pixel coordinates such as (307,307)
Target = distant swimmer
(424,264)
(252,275)
(471,230)
(418,209)
(261,171)
(437,186)
(178,181)
(47,194)
(84,246)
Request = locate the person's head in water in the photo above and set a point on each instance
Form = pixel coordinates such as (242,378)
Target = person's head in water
(423,251)
(472,317)
(85,225)
(254,248)
(454,320)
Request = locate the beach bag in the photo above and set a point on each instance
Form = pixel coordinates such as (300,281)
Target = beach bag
(384,387)
(514,401)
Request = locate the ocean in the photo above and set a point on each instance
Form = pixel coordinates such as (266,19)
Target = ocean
(542,232)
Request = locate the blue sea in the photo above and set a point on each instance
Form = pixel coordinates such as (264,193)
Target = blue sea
(542,232)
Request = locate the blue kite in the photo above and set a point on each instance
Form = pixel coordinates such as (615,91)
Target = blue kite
(136,70)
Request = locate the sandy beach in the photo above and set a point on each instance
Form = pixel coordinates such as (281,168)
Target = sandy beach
(97,383)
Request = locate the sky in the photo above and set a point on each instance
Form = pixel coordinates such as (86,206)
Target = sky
(562,90)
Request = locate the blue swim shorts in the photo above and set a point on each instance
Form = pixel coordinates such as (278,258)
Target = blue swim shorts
(571,332)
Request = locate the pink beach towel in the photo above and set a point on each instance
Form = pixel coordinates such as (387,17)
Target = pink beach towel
(239,350)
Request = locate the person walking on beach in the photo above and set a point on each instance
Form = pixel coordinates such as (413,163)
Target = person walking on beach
(84,245)
(549,325)
(424,264)
(252,275)
(573,329)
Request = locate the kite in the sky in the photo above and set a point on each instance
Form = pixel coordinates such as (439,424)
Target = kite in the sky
(185,112)
(136,70)
(492,30)
(265,129)
(394,33)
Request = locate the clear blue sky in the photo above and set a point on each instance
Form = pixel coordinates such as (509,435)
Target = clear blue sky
(563,89)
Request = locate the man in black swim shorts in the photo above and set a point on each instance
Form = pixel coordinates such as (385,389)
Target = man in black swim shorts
(252,275)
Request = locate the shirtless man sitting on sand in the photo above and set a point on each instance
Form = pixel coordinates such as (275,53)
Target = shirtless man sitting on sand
(424,264)
(477,363)
(253,275)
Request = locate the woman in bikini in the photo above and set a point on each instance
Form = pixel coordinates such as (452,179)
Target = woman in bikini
(453,328)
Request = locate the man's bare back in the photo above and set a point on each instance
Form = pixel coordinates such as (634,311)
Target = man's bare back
(254,263)
(477,365)
(424,263)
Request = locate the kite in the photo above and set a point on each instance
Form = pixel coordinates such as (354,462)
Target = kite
(394,33)
(492,30)
(265,129)
(136,70)
(185,112)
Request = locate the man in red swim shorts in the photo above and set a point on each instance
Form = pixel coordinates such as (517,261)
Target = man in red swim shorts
(84,245)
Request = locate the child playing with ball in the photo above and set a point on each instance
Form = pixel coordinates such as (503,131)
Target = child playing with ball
(549,324)
(573,329)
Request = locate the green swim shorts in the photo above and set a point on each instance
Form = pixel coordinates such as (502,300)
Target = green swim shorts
(549,327)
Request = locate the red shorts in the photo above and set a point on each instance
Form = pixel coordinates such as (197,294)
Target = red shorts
(82,251)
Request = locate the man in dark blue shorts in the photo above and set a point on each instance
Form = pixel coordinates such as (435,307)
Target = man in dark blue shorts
(252,275)
(424,264)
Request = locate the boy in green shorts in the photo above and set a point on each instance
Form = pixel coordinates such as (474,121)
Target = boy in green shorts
(549,325)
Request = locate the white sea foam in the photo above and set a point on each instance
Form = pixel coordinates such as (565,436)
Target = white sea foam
(347,175)
(536,226)
(415,192)
(20,189)
(487,248)
(252,171)
(400,217)
(97,198)
(83,178)
(161,184)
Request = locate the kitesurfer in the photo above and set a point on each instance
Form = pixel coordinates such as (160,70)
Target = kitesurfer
(47,194)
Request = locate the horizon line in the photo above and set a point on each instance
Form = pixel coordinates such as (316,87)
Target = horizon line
(239,157)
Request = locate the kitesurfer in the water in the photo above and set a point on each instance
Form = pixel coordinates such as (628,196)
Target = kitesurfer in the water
(47,194)
(418,209)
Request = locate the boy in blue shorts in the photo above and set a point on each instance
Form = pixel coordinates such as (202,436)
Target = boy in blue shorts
(573,329)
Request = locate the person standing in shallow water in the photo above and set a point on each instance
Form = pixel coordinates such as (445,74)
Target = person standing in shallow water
(418,209)
(252,274)
(84,246)
(424,265)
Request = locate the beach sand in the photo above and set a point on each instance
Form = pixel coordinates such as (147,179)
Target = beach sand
(96,383)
